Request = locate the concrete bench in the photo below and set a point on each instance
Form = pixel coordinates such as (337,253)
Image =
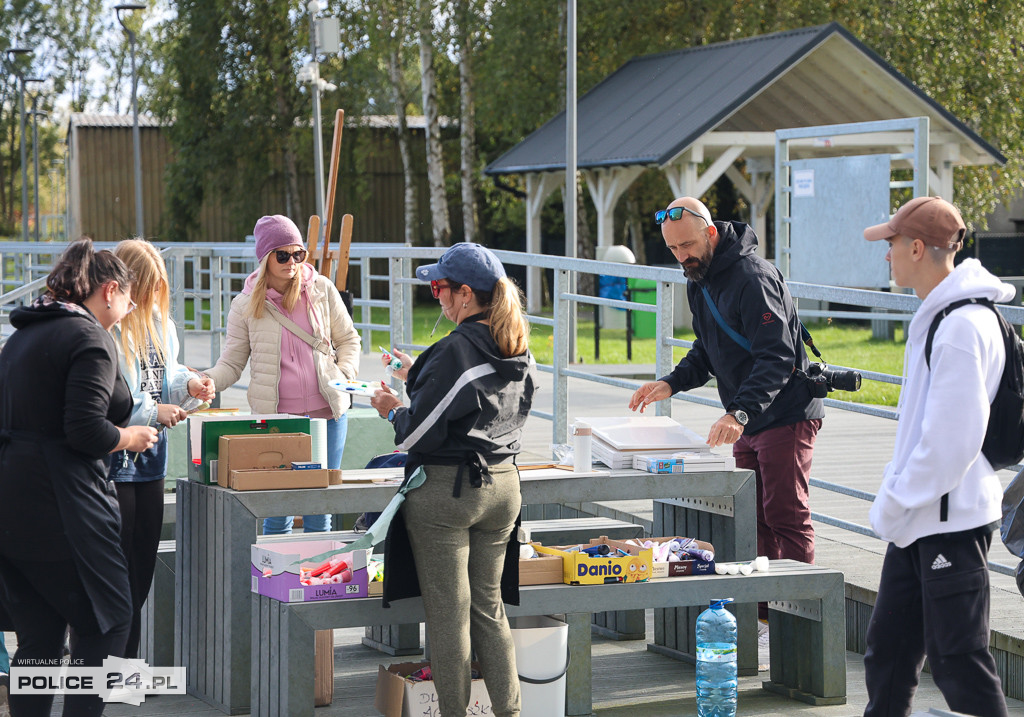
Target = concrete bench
(156,637)
(398,640)
(615,625)
(807,617)
(156,641)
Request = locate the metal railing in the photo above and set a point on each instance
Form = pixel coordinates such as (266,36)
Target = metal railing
(205,277)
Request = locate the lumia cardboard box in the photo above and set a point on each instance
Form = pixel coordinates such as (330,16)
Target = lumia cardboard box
(275,571)
(274,451)
(400,697)
(578,568)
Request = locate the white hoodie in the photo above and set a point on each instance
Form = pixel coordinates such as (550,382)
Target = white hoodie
(943,415)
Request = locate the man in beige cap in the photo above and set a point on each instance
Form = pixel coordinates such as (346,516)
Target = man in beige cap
(939,500)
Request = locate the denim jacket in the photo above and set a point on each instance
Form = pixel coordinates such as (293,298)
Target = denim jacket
(152,464)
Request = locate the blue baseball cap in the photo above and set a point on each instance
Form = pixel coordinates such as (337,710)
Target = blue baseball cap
(467,263)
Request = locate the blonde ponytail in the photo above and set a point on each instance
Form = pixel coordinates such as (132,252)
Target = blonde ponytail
(509,326)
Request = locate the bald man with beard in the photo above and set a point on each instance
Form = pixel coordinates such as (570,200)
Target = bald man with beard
(757,356)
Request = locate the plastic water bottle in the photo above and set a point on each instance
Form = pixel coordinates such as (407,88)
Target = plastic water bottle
(716,661)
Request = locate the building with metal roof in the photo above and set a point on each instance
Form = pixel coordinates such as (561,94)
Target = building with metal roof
(720,103)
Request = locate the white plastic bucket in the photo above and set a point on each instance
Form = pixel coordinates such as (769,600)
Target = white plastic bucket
(542,657)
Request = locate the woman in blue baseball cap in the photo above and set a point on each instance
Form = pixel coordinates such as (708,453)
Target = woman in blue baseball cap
(470,394)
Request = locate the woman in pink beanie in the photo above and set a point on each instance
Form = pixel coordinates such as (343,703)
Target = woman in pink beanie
(285,309)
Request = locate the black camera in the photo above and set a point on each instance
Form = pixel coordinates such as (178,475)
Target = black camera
(824,379)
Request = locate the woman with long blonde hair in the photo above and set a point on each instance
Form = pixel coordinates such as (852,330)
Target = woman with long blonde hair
(290,325)
(147,347)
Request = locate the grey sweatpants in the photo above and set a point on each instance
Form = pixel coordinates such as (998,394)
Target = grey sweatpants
(459,546)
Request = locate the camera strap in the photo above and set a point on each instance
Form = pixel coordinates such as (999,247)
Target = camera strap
(805,335)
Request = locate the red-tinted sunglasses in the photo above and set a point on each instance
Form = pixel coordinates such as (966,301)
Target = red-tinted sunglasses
(436,286)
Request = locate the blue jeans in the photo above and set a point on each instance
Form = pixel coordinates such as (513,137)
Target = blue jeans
(337,430)
(5,660)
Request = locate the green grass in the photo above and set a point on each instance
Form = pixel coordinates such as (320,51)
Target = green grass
(841,344)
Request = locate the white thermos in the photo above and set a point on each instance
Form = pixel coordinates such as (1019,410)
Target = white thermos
(581,444)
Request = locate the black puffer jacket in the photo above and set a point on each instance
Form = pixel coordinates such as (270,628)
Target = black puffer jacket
(467,403)
(753,300)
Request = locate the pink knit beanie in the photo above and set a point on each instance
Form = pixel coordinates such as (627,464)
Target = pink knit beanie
(273,232)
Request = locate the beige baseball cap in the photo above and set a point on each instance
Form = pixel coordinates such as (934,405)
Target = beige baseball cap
(933,220)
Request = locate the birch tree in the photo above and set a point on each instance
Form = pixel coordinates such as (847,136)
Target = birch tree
(440,224)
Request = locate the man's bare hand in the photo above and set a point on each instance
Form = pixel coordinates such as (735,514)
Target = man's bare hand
(724,431)
(649,393)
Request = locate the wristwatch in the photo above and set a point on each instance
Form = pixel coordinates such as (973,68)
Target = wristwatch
(740,415)
(391,415)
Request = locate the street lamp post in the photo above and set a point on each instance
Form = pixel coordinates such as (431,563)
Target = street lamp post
(12,54)
(313,6)
(35,150)
(130,7)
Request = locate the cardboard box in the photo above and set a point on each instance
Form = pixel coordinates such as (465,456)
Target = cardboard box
(684,462)
(275,571)
(578,568)
(334,476)
(663,569)
(204,432)
(541,569)
(399,697)
(274,450)
(263,479)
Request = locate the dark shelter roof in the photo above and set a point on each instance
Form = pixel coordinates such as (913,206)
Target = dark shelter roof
(654,107)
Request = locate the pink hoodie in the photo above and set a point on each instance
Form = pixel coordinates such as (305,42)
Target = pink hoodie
(298,388)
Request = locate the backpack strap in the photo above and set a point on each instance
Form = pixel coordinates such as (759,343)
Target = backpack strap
(944,502)
(943,314)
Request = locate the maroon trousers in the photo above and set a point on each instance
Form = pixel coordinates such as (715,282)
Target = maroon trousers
(781,460)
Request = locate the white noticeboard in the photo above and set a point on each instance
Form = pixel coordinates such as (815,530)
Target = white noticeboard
(834,199)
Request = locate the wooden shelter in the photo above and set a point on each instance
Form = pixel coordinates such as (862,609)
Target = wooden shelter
(694,113)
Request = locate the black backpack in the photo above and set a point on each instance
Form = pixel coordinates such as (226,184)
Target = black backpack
(1004,436)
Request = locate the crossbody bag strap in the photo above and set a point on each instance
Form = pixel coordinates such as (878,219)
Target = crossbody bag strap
(320,345)
(733,334)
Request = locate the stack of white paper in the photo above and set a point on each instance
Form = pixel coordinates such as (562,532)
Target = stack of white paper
(618,439)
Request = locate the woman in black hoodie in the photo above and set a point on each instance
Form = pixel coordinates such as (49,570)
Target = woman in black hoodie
(470,394)
(62,404)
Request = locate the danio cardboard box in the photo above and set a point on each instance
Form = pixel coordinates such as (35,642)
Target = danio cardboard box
(398,696)
(276,568)
(579,568)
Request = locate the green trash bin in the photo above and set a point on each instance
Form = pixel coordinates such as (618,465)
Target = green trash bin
(645,323)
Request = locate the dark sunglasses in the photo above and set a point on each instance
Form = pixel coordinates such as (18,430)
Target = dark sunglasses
(283,256)
(436,286)
(675,214)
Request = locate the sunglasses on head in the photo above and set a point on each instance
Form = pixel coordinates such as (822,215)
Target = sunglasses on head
(675,214)
(436,286)
(283,256)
